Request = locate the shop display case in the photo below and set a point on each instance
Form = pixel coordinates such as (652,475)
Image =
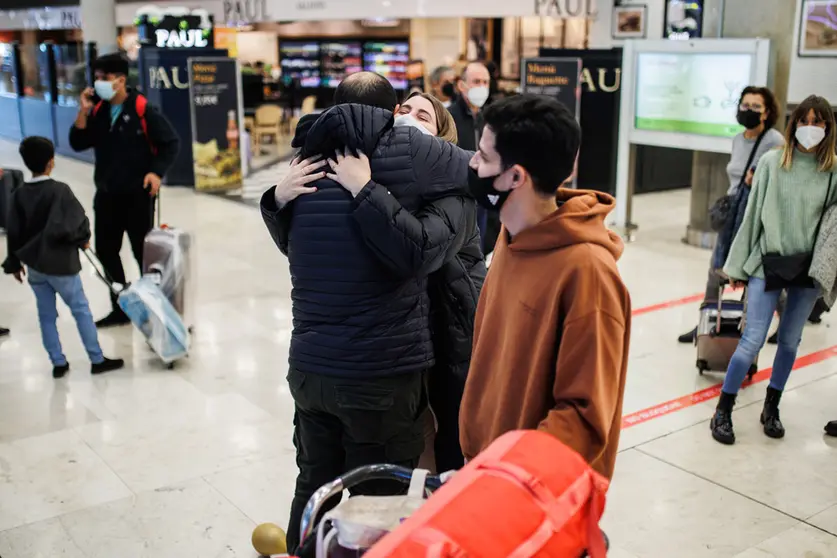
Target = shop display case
(339,59)
(388,58)
(301,60)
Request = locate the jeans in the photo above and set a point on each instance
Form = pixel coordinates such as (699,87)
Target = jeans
(341,424)
(69,288)
(761,306)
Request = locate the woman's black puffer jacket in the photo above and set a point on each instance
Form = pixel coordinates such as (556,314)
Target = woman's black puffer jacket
(361,306)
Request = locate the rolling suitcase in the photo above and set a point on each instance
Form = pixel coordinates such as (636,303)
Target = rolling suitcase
(150,312)
(167,257)
(719,330)
(9,180)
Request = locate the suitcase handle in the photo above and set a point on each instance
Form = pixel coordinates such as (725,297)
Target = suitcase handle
(155,204)
(721,285)
(101,272)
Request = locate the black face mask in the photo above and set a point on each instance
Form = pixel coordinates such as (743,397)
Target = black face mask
(484,192)
(448,90)
(749,118)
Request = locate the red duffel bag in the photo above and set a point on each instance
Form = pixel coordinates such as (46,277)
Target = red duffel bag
(526,495)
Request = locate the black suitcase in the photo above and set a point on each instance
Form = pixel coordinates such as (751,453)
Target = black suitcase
(9,180)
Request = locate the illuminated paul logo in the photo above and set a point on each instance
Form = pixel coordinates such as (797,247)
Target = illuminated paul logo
(181,38)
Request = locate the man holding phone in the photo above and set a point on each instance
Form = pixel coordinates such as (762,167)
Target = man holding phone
(134,145)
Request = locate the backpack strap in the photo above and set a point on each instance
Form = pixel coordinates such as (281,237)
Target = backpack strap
(97,107)
(141,107)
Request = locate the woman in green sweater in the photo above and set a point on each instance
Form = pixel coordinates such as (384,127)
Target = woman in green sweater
(792,187)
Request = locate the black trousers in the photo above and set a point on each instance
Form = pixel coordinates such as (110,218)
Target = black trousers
(445,390)
(115,215)
(341,424)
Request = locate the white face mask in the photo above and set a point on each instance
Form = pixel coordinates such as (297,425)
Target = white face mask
(410,120)
(478,95)
(104,89)
(810,136)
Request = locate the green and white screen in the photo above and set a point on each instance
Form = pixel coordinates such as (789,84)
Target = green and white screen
(690,93)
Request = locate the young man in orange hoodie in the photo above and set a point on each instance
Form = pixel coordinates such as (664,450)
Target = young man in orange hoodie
(553,321)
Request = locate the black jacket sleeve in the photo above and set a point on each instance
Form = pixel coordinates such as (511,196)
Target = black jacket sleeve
(163,138)
(82,140)
(277,219)
(413,245)
(14,227)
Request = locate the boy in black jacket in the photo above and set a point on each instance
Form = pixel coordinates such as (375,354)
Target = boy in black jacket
(47,227)
(135,145)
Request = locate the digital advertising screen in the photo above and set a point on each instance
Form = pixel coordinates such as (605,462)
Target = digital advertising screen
(691,93)
(339,59)
(301,60)
(388,58)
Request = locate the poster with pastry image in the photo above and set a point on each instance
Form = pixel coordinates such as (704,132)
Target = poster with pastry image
(216,123)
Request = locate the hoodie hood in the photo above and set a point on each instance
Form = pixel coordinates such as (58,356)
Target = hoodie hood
(302,129)
(356,127)
(579,219)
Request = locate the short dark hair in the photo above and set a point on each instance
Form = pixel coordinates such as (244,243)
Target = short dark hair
(438,72)
(37,152)
(116,64)
(770,103)
(366,88)
(538,133)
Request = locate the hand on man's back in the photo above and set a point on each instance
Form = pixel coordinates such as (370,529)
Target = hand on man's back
(294,184)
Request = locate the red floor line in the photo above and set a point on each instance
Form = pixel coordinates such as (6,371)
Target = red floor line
(670,304)
(712,392)
(691,299)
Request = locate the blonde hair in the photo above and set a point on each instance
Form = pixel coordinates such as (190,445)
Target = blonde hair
(444,121)
(826,149)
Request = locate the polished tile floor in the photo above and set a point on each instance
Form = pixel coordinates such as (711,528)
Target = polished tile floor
(152,463)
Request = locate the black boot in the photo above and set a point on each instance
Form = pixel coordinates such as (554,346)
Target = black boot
(773,339)
(770,415)
(831,428)
(688,337)
(721,423)
(820,308)
(115,318)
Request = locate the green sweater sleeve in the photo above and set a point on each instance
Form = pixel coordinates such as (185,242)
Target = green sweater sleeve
(744,247)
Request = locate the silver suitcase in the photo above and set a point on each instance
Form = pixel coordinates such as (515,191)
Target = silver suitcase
(719,331)
(167,255)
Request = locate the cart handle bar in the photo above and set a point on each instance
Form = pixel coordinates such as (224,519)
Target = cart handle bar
(351,479)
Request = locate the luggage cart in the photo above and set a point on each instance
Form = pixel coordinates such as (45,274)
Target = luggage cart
(321,540)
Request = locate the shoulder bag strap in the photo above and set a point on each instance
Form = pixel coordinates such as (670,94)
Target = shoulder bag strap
(751,157)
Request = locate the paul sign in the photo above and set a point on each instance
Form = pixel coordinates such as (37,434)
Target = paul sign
(245,11)
(566,8)
(164,29)
(181,38)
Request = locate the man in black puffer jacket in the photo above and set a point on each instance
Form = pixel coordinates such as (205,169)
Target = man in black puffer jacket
(362,339)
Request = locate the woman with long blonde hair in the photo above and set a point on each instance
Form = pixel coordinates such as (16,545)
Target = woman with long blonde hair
(772,251)
(454,291)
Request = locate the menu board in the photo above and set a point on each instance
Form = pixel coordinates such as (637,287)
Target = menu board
(301,60)
(388,58)
(337,60)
